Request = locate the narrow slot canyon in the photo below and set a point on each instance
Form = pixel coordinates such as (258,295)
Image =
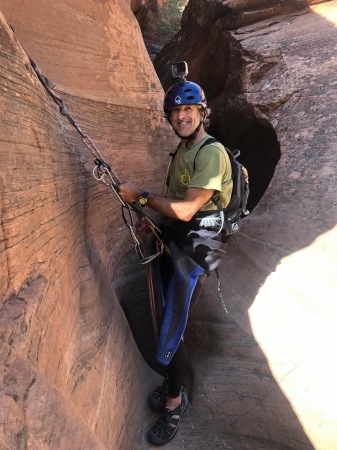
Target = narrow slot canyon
(78,346)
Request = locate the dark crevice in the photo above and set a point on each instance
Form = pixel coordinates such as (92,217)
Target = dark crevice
(131,287)
(259,150)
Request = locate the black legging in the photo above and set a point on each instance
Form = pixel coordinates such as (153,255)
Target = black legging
(176,370)
(177,367)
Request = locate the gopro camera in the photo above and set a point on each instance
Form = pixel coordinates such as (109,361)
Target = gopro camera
(180,70)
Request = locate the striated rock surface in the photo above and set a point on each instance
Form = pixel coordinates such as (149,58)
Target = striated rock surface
(71,374)
(72,377)
(263,375)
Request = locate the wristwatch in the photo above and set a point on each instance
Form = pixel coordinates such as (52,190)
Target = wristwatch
(143,198)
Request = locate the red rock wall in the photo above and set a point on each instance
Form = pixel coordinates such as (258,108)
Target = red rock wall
(260,378)
(72,376)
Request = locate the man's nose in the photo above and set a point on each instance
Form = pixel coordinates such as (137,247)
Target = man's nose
(181,114)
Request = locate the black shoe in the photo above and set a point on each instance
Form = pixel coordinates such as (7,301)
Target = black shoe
(157,399)
(166,427)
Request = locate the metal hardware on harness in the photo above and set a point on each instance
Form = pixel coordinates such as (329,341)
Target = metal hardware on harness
(143,259)
(234,226)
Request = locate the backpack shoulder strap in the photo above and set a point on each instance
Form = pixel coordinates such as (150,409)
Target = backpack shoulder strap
(173,154)
(216,198)
(208,141)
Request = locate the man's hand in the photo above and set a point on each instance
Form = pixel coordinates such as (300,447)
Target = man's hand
(129,192)
(178,209)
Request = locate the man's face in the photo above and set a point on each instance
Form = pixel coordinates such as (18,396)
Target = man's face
(185,119)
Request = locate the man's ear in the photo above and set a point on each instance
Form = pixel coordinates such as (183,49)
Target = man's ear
(168,117)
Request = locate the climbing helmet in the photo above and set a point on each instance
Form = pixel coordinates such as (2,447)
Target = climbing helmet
(184,93)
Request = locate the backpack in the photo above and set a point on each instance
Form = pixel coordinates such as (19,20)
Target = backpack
(229,221)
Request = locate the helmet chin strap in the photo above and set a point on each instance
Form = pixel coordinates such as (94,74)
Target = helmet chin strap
(192,135)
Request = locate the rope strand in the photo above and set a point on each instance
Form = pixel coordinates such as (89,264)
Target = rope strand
(102,169)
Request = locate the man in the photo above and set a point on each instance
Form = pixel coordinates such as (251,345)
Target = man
(195,178)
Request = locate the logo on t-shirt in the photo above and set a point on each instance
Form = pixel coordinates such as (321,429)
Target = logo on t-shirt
(185,178)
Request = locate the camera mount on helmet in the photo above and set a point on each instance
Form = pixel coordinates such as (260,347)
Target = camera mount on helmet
(179,71)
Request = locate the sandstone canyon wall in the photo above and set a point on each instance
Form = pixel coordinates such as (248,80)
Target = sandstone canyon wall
(261,377)
(264,374)
(72,376)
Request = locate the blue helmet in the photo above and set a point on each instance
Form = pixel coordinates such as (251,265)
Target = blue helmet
(184,93)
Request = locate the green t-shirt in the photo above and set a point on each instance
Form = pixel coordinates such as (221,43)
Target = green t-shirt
(212,171)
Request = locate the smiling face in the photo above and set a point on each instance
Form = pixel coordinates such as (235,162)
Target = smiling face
(185,119)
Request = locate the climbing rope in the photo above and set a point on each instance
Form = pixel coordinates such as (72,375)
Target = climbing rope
(103,173)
